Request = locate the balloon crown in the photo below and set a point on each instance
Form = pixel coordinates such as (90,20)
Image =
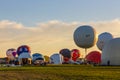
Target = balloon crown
(22,49)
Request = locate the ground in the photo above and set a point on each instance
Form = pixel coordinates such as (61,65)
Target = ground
(60,72)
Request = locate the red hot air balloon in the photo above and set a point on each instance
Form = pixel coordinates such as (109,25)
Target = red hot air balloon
(75,54)
(94,57)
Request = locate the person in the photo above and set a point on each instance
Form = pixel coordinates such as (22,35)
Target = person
(108,62)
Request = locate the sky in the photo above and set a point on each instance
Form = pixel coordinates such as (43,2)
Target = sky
(47,26)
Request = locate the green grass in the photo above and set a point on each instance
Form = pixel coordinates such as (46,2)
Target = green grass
(60,72)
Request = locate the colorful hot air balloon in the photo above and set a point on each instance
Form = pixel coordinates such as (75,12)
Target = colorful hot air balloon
(24,56)
(75,54)
(11,53)
(94,57)
(38,58)
(103,39)
(66,53)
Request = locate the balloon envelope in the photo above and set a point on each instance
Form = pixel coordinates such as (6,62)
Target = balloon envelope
(56,58)
(94,57)
(11,53)
(111,52)
(85,36)
(37,56)
(47,58)
(66,54)
(103,39)
(75,54)
(23,49)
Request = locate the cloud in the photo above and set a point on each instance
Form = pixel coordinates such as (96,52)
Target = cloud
(48,37)
(10,24)
(108,26)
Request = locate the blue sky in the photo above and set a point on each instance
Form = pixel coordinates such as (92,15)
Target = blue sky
(30,12)
(47,26)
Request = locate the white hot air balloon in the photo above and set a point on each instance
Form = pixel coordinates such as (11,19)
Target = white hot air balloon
(103,39)
(56,58)
(85,37)
(38,59)
(111,52)
(11,54)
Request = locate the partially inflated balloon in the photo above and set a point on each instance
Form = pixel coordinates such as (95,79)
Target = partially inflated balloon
(11,53)
(37,56)
(94,57)
(56,58)
(103,39)
(111,52)
(85,36)
(66,54)
(75,54)
(47,58)
(24,52)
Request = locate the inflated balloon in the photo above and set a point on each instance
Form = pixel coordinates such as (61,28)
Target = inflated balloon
(47,58)
(37,56)
(66,53)
(56,58)
(23,49)
(103,39)
(111,52)
(75,54)
(94,57)
(85,36)
(11,53)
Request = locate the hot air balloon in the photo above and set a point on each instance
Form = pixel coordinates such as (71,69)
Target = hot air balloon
(24,54)
(75,54)
(11,54)
(85,37)
(56,58)
(94,57)
(47,58)
(38,59)
(66,53)
(111,52)
(103,39)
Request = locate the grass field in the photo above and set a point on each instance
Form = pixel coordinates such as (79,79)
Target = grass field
(60,72)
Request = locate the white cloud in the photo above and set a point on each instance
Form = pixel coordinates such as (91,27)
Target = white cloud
(48,37)
(108,26)
(10,24)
